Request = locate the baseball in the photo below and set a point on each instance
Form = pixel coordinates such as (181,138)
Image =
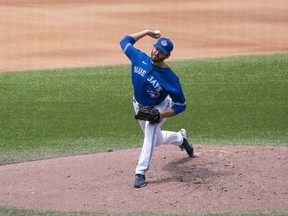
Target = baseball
(157,33)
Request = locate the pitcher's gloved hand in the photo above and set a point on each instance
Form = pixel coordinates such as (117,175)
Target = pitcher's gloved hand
(148,114)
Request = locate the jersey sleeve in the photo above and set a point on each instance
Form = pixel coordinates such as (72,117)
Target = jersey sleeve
(127,47)
(178,98)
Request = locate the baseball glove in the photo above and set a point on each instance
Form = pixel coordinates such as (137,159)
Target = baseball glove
(148,114)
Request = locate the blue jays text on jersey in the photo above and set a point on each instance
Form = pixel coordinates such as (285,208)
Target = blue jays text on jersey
(152,84)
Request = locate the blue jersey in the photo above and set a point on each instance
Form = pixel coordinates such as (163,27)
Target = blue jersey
(152,84)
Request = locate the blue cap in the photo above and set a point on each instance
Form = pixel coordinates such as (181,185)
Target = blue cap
(165,45)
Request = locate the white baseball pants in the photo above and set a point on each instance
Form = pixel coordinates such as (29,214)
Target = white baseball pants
(154,136)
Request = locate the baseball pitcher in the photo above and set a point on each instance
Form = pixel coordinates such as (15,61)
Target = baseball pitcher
(158,95)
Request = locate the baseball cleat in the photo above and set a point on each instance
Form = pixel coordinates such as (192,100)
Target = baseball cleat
(139,181)
(186,145)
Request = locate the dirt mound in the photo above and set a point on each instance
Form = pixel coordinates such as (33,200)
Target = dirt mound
(217,179)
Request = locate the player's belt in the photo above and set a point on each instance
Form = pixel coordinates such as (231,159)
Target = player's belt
(134,100)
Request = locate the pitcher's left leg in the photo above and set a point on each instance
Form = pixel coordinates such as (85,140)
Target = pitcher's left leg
(147,148)
(145,155)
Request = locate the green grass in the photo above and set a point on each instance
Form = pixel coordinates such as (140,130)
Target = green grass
(237,100)
(62,112)
(23,212)
(234,100)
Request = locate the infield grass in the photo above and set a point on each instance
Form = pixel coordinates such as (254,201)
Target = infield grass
(234,100)
(23,212)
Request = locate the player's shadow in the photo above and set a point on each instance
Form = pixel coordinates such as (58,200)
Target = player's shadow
(189,170)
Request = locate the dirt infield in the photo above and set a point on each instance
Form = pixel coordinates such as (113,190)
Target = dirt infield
(39,34)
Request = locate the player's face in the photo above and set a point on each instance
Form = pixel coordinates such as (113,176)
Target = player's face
(157,55)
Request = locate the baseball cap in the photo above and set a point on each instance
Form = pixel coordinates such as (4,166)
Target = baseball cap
(165,45)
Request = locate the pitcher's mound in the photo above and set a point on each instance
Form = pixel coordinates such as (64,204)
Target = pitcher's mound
(217,179)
